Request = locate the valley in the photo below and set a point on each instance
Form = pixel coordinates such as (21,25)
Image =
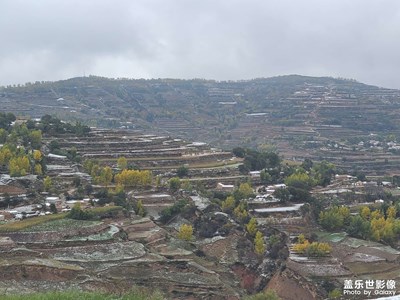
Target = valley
(254,171)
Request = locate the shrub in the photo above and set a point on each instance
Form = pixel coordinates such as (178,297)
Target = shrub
(78,214)
(182,171)
(169,212)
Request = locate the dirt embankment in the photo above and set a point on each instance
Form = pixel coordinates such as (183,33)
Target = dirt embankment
(289,286)
(36,273)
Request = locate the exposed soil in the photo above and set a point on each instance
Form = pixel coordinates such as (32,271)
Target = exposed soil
(289,286)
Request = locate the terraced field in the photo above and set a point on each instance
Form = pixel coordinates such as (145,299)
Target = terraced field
(317,118)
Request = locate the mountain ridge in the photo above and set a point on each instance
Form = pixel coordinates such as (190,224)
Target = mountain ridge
(297,115)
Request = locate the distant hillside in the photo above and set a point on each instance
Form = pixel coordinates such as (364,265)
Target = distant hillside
(283,111)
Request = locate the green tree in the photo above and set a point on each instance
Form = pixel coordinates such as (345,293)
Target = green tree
(299,185)
(6,119)
(48,183)
(3,135)
(169,212)
(5,155)
(265,177)
(323,172)
(53,208)
(241,213)
(186,185)
(300,180)
(359,227)
(122,163)
(139,209)
(229,204)
(282,194)
(259,245)
(244,191)
(254,160)
(35,138)
(182,171)
(174,184)
(88,165)
(334,218)
(307,164)
(78,213)
(239,152)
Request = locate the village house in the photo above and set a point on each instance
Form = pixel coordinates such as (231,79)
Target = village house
(225,187)
(255,174)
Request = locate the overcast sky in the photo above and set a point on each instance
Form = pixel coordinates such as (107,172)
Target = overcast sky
(212,39)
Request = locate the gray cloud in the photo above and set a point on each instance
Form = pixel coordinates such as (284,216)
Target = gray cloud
(215,39)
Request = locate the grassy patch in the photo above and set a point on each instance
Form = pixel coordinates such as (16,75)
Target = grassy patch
(369,268)
(386,275)
(28,223)
(136,294)
(355,243)
(331,237)
(62,225)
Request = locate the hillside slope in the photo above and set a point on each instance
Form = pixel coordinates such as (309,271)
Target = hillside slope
(300,115)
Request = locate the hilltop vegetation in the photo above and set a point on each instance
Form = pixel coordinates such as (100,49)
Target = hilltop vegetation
(302,117)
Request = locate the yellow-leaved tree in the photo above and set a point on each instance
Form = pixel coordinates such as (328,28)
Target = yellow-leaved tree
(38,169)
(365,212)
(185,232)
(37,155)
(251,227)
(19,166)
(106,176)
(391,212)
(241,213)
(228,204)
(303,246)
